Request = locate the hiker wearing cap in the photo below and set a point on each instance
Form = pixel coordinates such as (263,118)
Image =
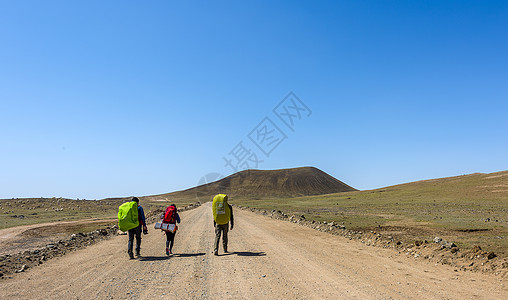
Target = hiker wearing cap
(170,216)
(222,216)
(136,232)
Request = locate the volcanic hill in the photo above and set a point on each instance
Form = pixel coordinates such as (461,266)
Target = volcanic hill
(293,182)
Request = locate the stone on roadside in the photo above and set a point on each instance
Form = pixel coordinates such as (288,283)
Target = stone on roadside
(23,268)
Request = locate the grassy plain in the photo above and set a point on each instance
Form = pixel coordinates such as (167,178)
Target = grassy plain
(17,212)
(468,210)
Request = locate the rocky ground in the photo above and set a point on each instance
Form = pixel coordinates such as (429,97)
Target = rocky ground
(19,261)
(268,259)
(436,250)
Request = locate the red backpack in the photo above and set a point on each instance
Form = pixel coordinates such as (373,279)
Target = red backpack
(170,215)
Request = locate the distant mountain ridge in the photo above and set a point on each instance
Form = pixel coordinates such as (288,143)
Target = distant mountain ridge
(304,181)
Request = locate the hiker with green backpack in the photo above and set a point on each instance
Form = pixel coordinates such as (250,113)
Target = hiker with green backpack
(222,215)
(131,218)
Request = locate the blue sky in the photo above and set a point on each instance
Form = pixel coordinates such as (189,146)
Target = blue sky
(119,98)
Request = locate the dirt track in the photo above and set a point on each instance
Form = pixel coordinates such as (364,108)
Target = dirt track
(30,237)
(270,259)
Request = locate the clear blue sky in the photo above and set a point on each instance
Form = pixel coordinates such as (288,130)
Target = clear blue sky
(119,98)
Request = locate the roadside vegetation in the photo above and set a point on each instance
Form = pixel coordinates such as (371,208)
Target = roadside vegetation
(17,212)
(468,210)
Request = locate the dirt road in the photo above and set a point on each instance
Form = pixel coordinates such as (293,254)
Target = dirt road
(30,237)
(269,259)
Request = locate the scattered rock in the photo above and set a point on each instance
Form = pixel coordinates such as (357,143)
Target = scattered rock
(372,238)
(443,243)
(11,263)
(23,268)
(491,255)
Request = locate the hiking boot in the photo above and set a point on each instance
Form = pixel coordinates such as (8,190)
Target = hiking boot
(131,256)
(167,251)
(138,253)
(225,249)
(215,252)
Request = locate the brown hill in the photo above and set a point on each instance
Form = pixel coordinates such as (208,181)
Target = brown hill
(294,182)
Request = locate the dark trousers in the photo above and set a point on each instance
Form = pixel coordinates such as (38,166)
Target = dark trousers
(218,230)
(137,233)
(170,239)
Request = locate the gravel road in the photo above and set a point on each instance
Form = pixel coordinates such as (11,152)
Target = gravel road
(269,259)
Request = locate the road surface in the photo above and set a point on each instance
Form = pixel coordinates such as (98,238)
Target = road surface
(269,259)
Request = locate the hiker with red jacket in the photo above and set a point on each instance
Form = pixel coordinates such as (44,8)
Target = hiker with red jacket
(170,216)
(137,231)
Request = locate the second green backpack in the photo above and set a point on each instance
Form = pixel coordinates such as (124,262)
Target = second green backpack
(220,209)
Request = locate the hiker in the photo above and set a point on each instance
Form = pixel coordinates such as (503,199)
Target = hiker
(170,216)
(136,231)
(222,215)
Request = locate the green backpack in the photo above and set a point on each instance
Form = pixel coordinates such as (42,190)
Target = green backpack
(220,209)
(128,216)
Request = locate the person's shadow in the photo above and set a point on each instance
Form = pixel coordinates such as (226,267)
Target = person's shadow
(246,253)
(159,258)
(188,254)
(153,258)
